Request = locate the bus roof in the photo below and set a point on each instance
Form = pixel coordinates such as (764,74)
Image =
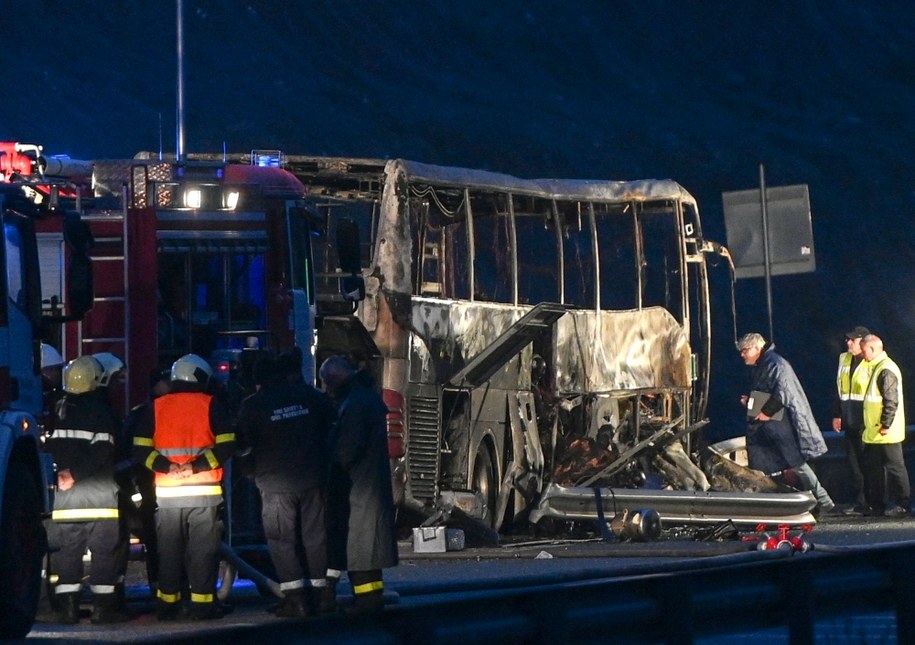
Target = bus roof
(585,189)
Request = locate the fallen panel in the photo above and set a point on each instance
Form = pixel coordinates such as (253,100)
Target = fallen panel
(678,506)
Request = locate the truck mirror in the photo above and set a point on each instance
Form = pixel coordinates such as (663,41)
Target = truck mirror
(352,286)
(348,246)
(80,292)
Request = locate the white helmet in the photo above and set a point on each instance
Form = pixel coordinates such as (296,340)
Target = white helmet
(192,369)
(50,357)
(111,365)
(82,375)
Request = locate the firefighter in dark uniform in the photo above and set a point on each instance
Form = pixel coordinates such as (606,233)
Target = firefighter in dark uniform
(185,439)
(85,511)
(361,479)
(286,425)
(135,478)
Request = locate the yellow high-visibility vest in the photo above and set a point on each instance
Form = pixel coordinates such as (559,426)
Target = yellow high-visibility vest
(873,405)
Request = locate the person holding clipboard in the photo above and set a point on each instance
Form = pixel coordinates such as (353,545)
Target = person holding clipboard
(782,434)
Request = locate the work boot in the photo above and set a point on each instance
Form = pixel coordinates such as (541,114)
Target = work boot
(294,605)
(106,610)
(367,604)
(206,611)
(327,597)
(167,611)
(898,511)
(68,608)
(121,595)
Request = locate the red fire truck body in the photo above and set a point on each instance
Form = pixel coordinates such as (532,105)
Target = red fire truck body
(205,258)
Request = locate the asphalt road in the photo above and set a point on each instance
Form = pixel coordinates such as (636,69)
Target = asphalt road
(424,578)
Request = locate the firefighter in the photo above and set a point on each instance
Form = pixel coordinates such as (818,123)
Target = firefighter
(363,510)
(134,478)
(186,438)
(112,367)
(85,511)
(286,425)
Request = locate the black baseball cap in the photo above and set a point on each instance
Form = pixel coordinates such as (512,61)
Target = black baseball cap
(857,332)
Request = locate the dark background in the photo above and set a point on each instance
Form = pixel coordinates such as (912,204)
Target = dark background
(701,92)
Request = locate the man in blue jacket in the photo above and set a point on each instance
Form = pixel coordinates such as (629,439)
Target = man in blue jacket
(783,434)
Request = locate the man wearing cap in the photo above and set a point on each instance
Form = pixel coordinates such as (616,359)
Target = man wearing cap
(848,410)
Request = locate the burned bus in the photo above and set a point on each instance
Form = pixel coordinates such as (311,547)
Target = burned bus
(542,345)
(537,342)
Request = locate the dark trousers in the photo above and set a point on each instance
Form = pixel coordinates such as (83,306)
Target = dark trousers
(102,538)
(138,520)
(854,450)
(189,540)
(886,475)
(337,518)
(295,531)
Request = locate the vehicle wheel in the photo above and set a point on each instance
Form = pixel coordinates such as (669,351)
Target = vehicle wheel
(228,574)
(484,483)
(22,545)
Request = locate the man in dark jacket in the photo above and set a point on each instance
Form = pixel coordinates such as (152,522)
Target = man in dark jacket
(782,434)
(361,481)
(286,425)
(135,478)
(85,506)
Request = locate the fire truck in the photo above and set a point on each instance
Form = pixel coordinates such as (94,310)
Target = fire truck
(27,202)
(209,257)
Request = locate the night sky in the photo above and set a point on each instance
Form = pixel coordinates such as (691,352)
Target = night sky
(703,92)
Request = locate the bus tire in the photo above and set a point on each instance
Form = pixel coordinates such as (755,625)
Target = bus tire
(22,546)
(484,483)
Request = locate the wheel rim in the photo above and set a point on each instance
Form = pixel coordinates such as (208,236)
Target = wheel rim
(484,483)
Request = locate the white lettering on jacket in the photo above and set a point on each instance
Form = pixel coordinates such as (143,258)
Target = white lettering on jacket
(289,412)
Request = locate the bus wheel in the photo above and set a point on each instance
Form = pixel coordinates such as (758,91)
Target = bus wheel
(22,545)
(484,483)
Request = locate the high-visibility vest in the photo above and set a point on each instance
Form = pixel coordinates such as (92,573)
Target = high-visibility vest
(852,387)
(873,405)
(181,435)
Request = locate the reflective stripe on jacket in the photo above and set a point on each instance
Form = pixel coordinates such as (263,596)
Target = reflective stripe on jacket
(83,445)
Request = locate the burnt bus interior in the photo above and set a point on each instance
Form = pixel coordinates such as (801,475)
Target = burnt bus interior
(494,407)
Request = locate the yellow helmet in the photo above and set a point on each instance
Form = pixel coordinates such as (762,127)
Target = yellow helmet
(192,369)
(82,375)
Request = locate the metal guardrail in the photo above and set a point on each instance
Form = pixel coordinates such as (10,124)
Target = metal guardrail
(717,597)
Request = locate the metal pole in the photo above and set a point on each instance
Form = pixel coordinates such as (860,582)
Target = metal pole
(179,150)
(766,258)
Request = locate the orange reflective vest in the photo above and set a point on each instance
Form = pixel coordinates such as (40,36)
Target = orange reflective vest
(182,434)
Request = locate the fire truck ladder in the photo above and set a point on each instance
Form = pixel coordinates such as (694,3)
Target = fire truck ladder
(106,326)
